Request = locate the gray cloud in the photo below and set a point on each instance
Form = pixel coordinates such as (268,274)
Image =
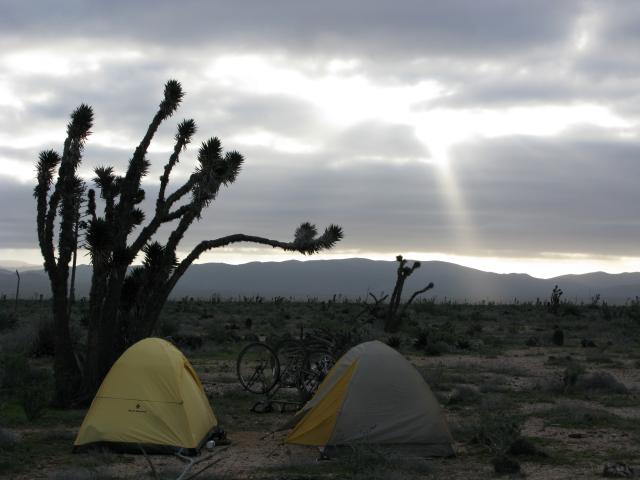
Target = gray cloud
(523,195)
(552,195)
(17,222)
(377,140)
(413,28)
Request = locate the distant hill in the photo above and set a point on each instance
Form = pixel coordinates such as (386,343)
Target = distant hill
(356,277)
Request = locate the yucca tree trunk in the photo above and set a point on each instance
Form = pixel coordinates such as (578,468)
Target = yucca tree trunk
(66,370)
(393,320)
(92,369)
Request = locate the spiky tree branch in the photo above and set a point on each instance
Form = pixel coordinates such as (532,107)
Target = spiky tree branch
(305,242)
(125,302)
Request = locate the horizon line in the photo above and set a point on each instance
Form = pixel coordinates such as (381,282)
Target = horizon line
(22,266)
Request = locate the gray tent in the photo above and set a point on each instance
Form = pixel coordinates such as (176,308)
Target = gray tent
(373,395)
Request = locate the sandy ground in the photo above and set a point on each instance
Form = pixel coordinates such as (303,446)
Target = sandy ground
(254,452)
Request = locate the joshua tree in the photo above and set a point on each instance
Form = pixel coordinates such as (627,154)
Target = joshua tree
(554,300)
(15,306)
(61,202)
(393,318)
(125,302)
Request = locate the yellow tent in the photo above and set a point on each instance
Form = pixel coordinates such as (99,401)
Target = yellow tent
(373,395)
(151,396)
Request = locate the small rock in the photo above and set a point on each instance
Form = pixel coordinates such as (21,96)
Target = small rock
(577,435)
(618,470)
(586,343)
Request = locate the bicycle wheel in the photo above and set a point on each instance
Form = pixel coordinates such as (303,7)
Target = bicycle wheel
(258,368)
(291,355)
(314,370)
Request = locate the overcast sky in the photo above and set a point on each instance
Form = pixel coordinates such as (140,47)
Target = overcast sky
(499,134)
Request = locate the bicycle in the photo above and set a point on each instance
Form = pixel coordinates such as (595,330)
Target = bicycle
(293,363)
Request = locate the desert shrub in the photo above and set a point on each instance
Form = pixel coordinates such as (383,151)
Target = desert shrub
(600,381)
(525,447)
(571,374)
(43,344)
(394,341)
(464,395)
(35,393)
(437,339)
(498,432)
(217,333)
(558,337)
(437,348)
(571,309)
(7,321)
(169,327)
(505,465)
(588,343)
(572,415)
(493,342)
(421,339)
(533,341)
(14,368)
(560,361)
(30,387)
(474,329)
(634,309)
(190,341)
(84,320)
(17,340)
(436,377)
(364,460)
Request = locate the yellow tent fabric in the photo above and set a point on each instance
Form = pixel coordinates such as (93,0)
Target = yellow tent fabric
(373,395)
(151,396)
(317,426)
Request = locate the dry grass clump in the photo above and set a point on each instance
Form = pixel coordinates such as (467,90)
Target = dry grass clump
(464,395)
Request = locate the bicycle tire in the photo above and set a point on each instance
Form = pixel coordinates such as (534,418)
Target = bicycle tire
(291,355)
(258,368)
(313,372)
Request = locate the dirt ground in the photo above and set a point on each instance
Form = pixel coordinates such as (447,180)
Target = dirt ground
(575,426)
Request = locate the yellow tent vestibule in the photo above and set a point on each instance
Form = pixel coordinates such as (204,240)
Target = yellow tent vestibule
(151,396)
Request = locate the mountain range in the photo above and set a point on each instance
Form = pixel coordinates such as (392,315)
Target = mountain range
(356,277)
